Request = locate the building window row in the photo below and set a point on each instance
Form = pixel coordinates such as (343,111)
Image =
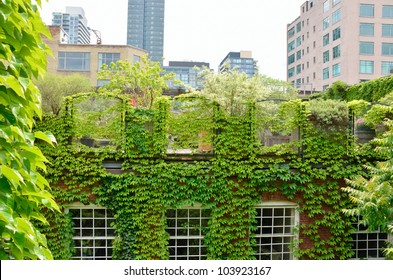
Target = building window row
(367,67)
(274,233)
(367,48)
(336,34)
(367,10)
(336,71)
(367,29)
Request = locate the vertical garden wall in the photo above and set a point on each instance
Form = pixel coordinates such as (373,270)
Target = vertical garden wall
(139,175)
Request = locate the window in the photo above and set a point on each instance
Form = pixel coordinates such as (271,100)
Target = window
(336,70)
(326,22)
(387,48)
(336,33)
(335,2)
(291,72)
(298,55)
(186,227)
(336,51)
(291,32)
(107,58)
(291,46)
(298,41)
(325,56)
(291,59)
(298,27)
(326,73)
(275,231)
(326,39)
(298,69)
(136,58)
(93,234)
(336,16)
(387,30)
(75,61)
(366,48)
(366,10)
(326,6)
(366,244)
(387,11)
(387,67)
(367,29)
(366,67)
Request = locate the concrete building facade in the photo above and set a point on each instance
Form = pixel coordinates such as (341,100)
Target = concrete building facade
(74,23)
(241,61)
(347,40)
(145,26)
(85,60)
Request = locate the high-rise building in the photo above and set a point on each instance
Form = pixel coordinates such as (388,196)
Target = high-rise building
(74,23)
(241,61)
(347,40)
(145,26)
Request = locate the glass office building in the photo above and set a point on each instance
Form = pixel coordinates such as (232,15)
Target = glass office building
(145,26)
(241,61)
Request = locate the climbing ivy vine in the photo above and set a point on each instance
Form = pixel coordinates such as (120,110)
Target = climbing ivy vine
(230,179)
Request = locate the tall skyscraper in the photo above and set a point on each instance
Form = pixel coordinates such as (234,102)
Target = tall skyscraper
(347,40)
(145,26)
(74,23)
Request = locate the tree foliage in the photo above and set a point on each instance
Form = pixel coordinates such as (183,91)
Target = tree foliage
(54,88)
(144,80)
(23,189)
(372,195)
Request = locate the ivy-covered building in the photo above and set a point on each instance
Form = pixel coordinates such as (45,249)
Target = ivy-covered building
(187,180)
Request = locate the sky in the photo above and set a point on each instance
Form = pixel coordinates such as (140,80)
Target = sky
(201,30)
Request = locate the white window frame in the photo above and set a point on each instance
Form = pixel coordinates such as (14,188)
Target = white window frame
(101,238)
(282,215)
(186,232)
(368,244)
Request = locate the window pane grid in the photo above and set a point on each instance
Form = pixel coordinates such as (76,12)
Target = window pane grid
(93,234)
(107,58)
(366,244)
(187,227)
(274,233)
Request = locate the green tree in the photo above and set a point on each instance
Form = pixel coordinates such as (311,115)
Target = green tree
(232,90)
(145,80)
(23,190)
(54,88)
(373,195)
